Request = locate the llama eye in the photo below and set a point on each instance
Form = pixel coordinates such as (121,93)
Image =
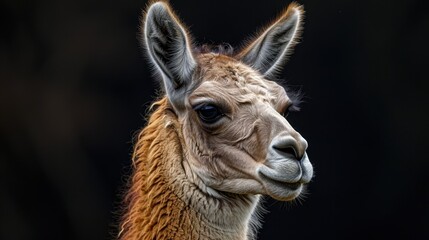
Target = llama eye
(209,113)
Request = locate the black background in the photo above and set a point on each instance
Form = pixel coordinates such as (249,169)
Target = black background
(75,88)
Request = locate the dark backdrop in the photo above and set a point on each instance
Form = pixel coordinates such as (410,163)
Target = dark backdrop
(75,88)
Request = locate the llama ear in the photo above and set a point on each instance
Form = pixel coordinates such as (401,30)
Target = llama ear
(270,49)
(169,49)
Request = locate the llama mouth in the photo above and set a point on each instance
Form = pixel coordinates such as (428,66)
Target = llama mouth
(281,190)
(292,186)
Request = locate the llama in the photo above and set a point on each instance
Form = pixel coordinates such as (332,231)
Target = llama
(218,139)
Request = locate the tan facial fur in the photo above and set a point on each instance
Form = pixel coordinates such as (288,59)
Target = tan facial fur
(228,156)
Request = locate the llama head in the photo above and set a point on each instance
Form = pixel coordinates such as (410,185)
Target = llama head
(236,138)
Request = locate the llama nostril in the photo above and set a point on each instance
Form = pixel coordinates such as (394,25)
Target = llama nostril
(288,150)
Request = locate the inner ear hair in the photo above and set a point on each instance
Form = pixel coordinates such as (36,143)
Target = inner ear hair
(169,48)
(270,49)
(168,44)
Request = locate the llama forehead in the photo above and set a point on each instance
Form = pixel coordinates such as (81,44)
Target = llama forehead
(224,77)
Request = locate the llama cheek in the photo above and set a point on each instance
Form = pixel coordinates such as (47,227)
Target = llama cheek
(197,147)
(232,161)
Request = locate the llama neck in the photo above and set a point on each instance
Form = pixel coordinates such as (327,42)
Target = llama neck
(165,203)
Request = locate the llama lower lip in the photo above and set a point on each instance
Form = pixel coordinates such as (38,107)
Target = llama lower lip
(291,186)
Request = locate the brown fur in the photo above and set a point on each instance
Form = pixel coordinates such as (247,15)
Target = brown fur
(155,211)
(158,206)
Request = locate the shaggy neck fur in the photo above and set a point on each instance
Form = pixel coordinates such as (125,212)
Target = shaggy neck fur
(167,201)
